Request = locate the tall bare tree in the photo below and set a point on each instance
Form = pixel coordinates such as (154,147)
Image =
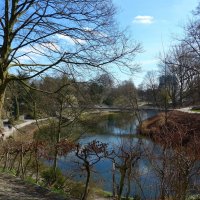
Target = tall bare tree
(37,36)
(151,83)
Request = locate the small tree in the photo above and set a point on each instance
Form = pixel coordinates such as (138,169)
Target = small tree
(124,157)
(90,154)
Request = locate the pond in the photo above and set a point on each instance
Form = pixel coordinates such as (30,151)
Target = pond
(118,130)
(151,168)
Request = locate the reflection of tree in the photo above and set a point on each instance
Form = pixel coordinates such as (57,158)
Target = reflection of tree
(107,123)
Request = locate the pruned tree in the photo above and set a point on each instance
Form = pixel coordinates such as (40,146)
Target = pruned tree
(125,156)
(89,155)
(37,36)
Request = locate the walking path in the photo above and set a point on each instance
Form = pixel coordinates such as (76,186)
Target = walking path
(10,131)
(188,110)
(13,188)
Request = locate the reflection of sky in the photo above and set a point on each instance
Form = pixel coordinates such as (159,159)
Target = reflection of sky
(124,126)
(129,130)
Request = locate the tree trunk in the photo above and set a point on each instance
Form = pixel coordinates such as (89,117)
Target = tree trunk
(22,161)
(85,194)
(2,97)
(13,161)
(16,108)
(129,180)
(55,163)
(181,97)
(113,180)
(6,160)
(27,163)
(58,135)
(121,184)
(36,163)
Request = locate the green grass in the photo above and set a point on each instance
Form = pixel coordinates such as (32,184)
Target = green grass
(102,193)
(30,179)
(7,171)
(92,115)
(58,191)
(195,110)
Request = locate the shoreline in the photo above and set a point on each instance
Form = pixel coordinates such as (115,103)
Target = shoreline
(177,129)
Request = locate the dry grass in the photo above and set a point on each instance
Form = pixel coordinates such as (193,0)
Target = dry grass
(180,129)
(27,132)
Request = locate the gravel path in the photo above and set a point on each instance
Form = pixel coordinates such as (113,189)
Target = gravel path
(13,188)
(10,131)
(187,110)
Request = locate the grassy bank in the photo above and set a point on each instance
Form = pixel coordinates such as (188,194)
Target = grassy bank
(175,128)
(26,162)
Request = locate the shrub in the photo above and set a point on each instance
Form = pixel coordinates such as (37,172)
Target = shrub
(194,197)
(51,179)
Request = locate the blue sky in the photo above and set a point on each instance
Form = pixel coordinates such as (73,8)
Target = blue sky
(155,24)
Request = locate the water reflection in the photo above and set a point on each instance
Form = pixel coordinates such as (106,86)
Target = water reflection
(117,124)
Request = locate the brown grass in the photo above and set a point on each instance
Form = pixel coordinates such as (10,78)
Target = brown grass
(178,130)
(26,133)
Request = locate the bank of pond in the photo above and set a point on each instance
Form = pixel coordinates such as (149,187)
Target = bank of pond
(158,159)
(154,165)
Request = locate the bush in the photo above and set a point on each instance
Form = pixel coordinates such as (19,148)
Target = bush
(51,179)
(194,197)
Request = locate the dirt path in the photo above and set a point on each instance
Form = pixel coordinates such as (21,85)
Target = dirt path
(12,188)
(188,110)
(10,131)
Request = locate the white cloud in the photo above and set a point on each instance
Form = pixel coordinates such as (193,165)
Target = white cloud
(71,40)
(40,48)
(143,19)
(88,29)
(29,53)
(51,46)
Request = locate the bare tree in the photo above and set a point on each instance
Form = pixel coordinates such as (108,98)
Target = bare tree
(37,36)
(176,163)
(191,43)
(124,157)
(180,63)
(151,83)
(90,154)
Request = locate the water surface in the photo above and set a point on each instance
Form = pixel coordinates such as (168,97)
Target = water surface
(118,130)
